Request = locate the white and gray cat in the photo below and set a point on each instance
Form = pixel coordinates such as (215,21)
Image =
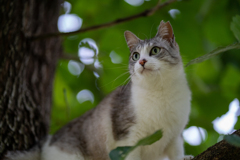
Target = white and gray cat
(157,97)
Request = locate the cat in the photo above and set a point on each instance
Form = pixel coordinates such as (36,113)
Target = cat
(156,97)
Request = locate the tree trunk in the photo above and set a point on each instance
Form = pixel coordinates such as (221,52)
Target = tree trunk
(26,71)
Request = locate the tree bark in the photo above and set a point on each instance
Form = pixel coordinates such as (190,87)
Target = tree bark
(26,71)
(221,151)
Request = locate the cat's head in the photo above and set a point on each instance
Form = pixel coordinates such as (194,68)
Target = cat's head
(154,57)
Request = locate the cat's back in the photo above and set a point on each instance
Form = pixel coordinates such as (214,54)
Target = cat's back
(84,136)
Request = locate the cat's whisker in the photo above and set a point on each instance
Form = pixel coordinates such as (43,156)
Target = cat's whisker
(120,76)
(114,79)
(145,36)
(151,30)
(122,84)
(122,64)
(128,81)
(124,87)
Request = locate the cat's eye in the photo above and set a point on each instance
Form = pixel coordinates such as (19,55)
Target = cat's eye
(135,56)
(155,50)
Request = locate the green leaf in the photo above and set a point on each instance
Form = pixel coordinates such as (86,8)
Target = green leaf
(120,153)
(233,140)
(213,53)
(235,26)
(150,139)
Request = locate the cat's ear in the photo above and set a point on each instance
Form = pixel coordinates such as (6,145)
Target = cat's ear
(132,39)
(165,31)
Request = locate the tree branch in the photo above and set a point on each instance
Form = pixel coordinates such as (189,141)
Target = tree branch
(220,151)
(145,13)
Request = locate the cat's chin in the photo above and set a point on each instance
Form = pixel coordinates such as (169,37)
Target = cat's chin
(145,70)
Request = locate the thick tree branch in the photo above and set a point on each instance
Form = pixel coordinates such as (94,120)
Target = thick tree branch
(220,151)
(145,13)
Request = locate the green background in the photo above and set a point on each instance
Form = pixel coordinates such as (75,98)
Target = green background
(200,27)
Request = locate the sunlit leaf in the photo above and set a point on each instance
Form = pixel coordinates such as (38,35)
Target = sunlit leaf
(120,153)
(235,27)
(213,53)
(233,140)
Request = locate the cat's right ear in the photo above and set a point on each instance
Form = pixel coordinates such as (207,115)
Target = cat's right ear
(132,39)
(165,31)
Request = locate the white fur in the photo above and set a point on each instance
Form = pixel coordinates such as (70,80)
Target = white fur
(51,152)
(33,154)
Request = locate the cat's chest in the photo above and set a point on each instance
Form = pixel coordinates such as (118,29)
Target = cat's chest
(157,109)
(151,106)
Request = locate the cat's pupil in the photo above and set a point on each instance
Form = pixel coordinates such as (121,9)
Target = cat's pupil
(155,50)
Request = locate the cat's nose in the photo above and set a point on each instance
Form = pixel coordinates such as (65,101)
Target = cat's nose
(142,62)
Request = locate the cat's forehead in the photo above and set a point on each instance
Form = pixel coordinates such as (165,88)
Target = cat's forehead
(149,43)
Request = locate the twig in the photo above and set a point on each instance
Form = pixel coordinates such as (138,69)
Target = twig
(213,53)
(154,9)
(145,13)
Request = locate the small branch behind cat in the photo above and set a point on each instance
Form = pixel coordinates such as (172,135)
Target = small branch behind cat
(154,9)
(145,13)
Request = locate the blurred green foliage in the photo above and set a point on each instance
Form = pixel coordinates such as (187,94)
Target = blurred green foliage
(235,27)
(200,27)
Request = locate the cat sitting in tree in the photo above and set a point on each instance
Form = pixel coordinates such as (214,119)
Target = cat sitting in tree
(157,97)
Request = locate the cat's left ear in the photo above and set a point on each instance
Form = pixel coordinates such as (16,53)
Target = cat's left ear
(132,39)
(165,31)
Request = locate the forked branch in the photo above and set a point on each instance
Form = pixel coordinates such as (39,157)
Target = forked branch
(145,13)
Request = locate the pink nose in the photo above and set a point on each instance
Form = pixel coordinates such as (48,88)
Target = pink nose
(142,62)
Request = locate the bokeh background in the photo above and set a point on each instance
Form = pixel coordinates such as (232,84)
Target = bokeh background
(95,62)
